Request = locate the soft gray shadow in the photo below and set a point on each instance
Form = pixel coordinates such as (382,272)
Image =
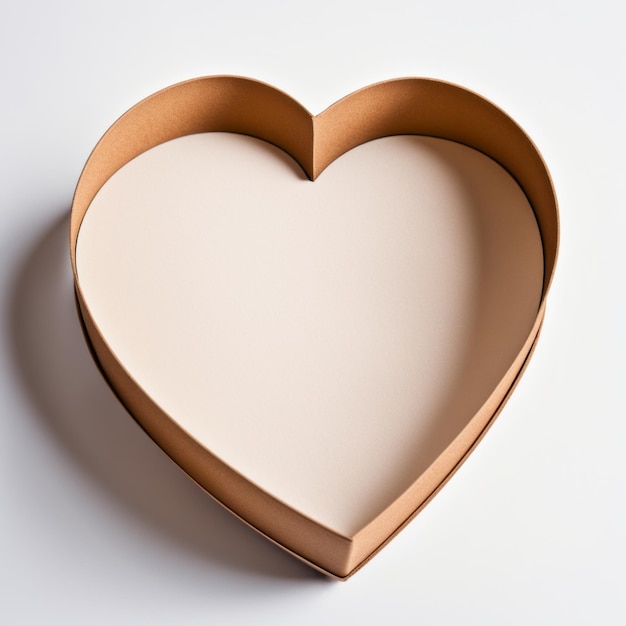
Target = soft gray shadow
(77,408)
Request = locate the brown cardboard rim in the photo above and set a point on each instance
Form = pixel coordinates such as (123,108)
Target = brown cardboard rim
(419,106)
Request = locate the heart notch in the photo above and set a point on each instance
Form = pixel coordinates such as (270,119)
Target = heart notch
(226,104)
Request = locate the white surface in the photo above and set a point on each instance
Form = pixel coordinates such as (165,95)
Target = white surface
(98,527)
(327,340)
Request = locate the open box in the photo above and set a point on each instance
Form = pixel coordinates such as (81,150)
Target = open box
(319,356)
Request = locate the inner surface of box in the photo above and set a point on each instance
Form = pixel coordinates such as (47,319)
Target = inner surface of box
(325,339)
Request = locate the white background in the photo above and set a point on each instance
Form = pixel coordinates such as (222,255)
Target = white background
(99,527)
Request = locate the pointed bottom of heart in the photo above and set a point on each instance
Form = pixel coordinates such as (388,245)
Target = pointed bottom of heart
(320,357)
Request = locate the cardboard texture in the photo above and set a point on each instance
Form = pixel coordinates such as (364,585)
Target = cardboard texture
(238,105)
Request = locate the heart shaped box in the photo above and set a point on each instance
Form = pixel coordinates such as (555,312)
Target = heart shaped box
(409,106)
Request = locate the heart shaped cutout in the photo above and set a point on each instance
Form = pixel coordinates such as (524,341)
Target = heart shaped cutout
(288,322)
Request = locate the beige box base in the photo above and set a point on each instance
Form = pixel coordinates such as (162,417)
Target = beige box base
(319,356)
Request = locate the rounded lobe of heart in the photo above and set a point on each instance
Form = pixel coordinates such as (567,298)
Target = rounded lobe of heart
(326,339)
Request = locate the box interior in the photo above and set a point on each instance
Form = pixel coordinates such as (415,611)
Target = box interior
(326,339)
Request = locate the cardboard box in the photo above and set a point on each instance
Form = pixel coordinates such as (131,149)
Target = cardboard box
(322,356)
